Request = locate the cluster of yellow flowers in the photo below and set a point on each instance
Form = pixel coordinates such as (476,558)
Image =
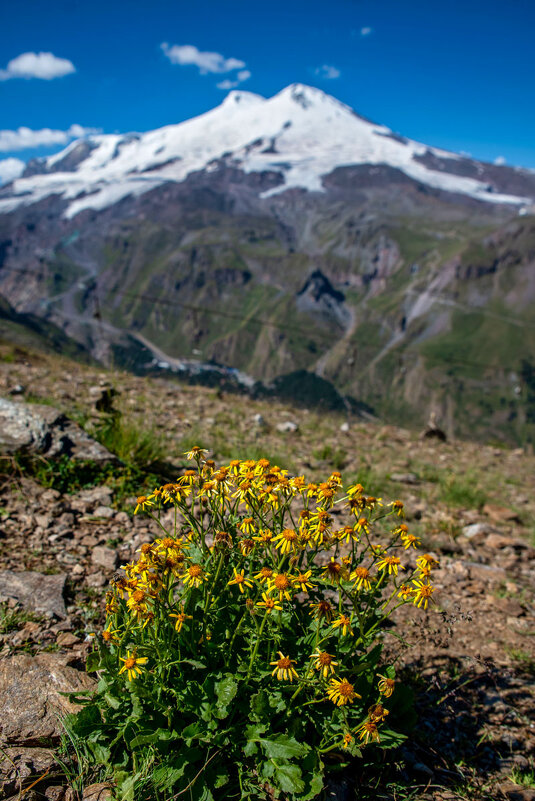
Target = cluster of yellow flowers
(252,529)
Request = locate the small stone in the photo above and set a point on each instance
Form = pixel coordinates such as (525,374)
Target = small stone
(65,639)
(97,792)
(287,427)
(96,580)
(44,521)
(500,514)
(498,541)
(404,478)
(77,570)
(105,557)
(50,495)
(344,428)
(477,532)
(104,511)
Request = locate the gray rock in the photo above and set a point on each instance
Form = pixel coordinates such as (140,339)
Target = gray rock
(35,591)
(105,557)
(478,531)
(31,704)
(288,427)
(88,499)
(97,792)
(39,429)
(104,511)
(404,478)
(18,766)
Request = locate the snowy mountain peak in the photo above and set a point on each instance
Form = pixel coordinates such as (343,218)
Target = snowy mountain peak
(237,97)
(301,134)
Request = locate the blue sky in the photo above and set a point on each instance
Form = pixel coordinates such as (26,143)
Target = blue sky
(458,75)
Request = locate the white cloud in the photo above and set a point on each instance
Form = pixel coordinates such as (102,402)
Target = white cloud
(227,84)
(37,65)
(328,72)
(24,138)
(499,161)
(242,76)
(365,31)
(10,169)
(206,61)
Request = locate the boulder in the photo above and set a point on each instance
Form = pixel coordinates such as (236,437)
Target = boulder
(31,704)
(19,767)
(35,591)
(39,429)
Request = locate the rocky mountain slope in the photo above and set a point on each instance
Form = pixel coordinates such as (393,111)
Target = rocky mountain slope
(471,657)
(289,234)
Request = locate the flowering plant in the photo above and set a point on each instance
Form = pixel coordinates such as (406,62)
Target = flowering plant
(241,653)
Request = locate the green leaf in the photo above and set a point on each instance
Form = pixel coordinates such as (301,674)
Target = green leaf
(288,778)
(221,779)
(193,663)
(253,734)
(166,776)
(260,704)
(153,737)
(93,662)
(282,746)
(112,701)
(226,691)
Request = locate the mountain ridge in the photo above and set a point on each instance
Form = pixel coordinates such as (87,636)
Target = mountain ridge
(300,133)
(407,297)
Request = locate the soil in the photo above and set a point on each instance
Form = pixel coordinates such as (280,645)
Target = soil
(470,659)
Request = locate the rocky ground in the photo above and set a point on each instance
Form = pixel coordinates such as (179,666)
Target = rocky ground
(472,657)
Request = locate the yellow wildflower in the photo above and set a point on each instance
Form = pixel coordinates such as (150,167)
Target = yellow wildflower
(398,508)
(405,592)
(240,581)
(343,623)
(348,740)
(390,563)
(325,662)
(247,525)
(281,584)
(362,578)
(142,503)
(269,604)
(194,576)
(322,610)
(264,574)
(386,686)
(195,453)
(286,540)
(334,571)
(377,713)
(426,560)
(302,581)
(368,731)
(341,692)
(284,669)
(180,618)
(423,593)
(132,664)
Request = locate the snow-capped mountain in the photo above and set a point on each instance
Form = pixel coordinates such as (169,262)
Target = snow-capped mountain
(300,134)
(278,235)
